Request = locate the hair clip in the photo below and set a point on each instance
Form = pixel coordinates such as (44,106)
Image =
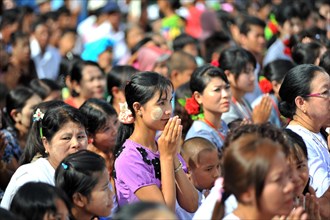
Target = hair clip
(65,166)
(38,115)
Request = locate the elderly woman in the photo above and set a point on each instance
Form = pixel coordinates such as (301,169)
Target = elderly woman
(305,95)
(60,131)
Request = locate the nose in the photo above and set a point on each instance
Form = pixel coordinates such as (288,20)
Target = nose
(216,173)
(76,144)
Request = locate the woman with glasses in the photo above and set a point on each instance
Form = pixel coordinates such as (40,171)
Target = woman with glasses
(305,95)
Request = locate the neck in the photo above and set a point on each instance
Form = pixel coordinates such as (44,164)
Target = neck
(213,119)
(304,121)
(144,135)
(237,94)
(250,211)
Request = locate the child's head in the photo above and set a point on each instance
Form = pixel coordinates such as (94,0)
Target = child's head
(85,180)
(47,89)
(37,200)
(288,19)
(298,159)
(102,123)
(203,162)
(19,104)
(308,53)
(274,72)
(186,43)
(148,96)
(144,210)
(210,88)
(239,65)
(180,67)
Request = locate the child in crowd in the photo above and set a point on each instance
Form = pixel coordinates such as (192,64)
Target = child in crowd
(210,99)
(145,169)
(239,65)
(203,163)
(270,82)
(85,180)
(256,172)
(37,200)
(60,131)
(102,126)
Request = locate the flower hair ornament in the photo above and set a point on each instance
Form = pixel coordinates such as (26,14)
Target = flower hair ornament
(125,115)
(192,107)
(38,116)
(265,85)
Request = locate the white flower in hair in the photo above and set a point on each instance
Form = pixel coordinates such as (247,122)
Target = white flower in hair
(125,115)
(38,115)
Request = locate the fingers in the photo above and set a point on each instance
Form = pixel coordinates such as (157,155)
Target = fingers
(297,214)
(167,126)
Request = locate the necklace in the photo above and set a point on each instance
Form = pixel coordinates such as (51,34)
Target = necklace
(212,126)
(243,108)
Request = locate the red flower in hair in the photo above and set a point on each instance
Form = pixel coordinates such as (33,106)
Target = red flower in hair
(215,63)
(287,49)
(192,106)
(265,85)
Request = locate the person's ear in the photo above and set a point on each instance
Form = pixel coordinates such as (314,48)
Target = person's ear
(230,76)
(79,200)
(248,197)
(76,87)
(198,97)
(137,108)
(16,115)
(45,143)
(300,103)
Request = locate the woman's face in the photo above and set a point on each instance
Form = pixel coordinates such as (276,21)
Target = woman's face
(157,111)
(100,199)
(318,107)
(69,139)
(245,81)
(278,193)
(92,84)
(23,119)
(215,97)
(105,138)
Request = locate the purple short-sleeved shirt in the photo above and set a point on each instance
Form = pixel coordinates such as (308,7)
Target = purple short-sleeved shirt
(133,171)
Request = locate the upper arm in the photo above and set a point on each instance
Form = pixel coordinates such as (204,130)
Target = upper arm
(150,193)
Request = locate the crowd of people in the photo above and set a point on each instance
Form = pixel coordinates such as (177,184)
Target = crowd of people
(164,109)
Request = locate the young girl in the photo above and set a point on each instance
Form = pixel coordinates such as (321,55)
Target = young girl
(211,93)
(270,82)
(37,200)
(85,180)
(102,126)
(145,169)
(60,131)
(257,174)
(239,65)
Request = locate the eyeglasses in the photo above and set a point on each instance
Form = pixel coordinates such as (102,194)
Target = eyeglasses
(325,94)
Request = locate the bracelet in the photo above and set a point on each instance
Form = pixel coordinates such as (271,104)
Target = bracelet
(178,168)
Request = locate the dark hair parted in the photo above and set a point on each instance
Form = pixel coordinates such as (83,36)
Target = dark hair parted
(119,76)
(16,99)
(276,70)
(79,173)
(76,72)
(97,112)
(44,87)
(142,87)
(236,59)
(17,36)
(182,40)
(34,144)
(202,76)
(56,115)
(306,53)
(34,200)
(296,83)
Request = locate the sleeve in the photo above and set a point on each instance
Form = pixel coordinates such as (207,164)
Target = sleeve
(230,116)
(133,172)
(318,171)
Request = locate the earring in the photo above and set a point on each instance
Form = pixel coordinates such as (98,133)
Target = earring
(46,152)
